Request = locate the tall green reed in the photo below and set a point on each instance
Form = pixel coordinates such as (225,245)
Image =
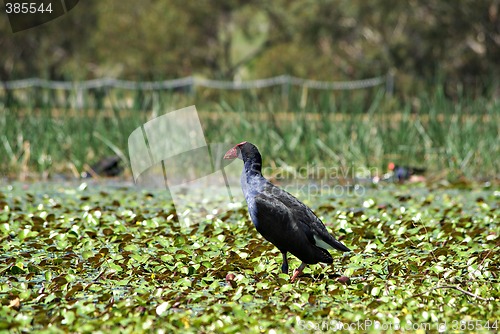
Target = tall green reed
(45,131)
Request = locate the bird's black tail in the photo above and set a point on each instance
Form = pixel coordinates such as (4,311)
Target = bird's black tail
(338,245)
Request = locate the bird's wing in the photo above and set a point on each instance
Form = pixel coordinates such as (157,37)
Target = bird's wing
(308,222)
(276,223)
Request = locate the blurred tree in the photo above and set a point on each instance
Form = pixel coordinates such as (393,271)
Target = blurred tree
(50,50)
(174,38)
(421,39)
(318,39)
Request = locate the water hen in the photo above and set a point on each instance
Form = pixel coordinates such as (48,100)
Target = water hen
(281,218)
(405,173)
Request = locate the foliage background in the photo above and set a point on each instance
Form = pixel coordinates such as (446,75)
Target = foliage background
(457,42)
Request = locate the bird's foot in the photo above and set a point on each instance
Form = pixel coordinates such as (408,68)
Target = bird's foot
(297,272)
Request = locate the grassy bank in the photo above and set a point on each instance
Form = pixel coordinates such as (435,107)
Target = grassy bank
(43,134)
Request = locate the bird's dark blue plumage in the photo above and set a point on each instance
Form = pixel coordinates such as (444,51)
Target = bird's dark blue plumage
(280,217)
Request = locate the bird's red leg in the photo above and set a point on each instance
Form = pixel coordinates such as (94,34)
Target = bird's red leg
(298,271)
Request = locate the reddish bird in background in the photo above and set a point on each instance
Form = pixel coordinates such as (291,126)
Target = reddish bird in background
(281,218)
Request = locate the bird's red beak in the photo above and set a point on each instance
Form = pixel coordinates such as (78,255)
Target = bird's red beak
(233,153)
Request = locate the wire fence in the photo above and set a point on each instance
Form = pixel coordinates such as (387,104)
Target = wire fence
(106,93)
(282,80)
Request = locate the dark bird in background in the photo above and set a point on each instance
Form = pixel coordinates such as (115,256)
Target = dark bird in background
(280,217)
(404,173)
(106,167)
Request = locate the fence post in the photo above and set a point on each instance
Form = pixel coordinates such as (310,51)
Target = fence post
(389,83)
(285,91)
